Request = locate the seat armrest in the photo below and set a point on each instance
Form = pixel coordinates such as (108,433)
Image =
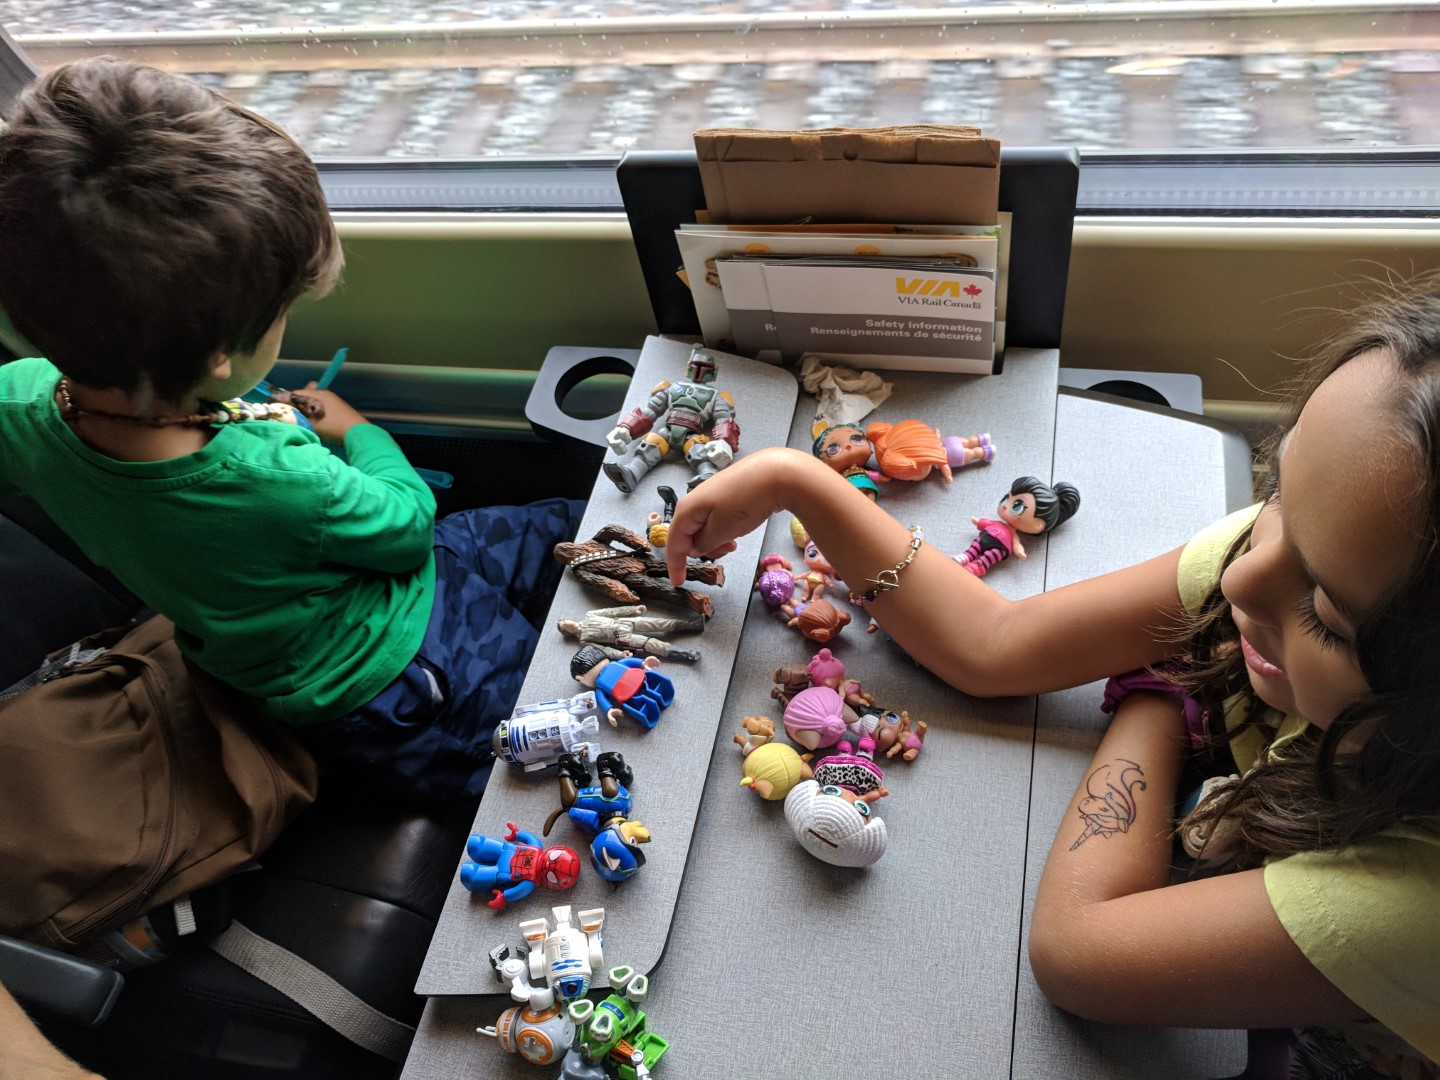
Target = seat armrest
(62,985)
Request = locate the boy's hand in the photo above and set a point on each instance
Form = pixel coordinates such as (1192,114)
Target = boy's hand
(340,416)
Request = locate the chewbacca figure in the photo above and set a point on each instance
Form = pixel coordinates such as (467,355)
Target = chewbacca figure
(627,575)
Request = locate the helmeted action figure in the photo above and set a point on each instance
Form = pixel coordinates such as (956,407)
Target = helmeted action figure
(625,576)
(691,414)
(603,811)
(632,628)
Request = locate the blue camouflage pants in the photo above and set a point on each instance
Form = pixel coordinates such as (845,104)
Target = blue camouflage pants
(426,736)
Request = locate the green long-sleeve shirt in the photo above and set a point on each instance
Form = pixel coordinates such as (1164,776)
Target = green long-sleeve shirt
(288,573)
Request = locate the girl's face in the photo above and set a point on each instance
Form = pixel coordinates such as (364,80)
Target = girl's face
(844,448)
(1018,511)
(1332,543)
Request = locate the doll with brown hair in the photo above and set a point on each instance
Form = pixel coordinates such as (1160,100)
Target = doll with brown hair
(758,730)
(820,621)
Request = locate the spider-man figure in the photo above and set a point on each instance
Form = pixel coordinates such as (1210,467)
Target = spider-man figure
(520,866)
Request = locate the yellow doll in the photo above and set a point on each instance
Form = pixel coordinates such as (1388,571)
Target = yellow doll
(773,769)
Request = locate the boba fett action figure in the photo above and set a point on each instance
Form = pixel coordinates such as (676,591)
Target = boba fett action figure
(691,416)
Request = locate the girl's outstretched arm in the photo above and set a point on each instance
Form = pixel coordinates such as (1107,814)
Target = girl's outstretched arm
(947,619)
(1112,941)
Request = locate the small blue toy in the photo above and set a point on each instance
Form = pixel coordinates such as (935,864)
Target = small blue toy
(510,871)
(628,686)
(603,811)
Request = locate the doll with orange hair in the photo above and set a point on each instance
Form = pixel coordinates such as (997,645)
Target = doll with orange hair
(910,449)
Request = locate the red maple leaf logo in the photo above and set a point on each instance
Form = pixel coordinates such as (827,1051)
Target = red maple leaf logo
(972,290)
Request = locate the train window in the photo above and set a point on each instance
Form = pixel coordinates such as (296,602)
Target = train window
(584,81)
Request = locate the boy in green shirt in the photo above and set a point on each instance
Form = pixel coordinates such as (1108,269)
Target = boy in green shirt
(155,235)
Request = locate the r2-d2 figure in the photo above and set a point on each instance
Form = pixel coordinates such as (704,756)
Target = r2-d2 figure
(691,415)
(536,735)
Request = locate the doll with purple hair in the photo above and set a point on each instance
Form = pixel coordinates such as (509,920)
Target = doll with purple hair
(799,596)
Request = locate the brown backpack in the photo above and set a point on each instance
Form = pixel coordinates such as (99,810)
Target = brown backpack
(129,782)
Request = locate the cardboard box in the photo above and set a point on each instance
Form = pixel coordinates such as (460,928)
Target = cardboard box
(919,173)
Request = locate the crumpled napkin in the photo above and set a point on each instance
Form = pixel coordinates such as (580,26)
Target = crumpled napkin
(845,396)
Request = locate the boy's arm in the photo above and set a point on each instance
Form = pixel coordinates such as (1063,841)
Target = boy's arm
(381,515)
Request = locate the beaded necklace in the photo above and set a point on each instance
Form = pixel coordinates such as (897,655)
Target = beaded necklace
(225,412)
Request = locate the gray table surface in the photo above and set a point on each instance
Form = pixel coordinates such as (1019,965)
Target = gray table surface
(775,964)
(670,761)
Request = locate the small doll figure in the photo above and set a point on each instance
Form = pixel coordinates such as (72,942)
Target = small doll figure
(510,871)
(774,769)
(836,830)
(628,686)
(893,735)
(691,416)
(827,669)
(632,627)
(847,450)
(759,730)
(789,681)
(798,596)
(908,450)
(821,621)
(855,777)
(831,814)
(603,811)
(776,583)
(819,575)
(817,717)
(1030,508)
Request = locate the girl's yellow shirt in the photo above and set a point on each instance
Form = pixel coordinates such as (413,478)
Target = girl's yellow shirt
(1367,916)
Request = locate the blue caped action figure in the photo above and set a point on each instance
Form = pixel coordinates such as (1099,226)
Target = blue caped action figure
(628,685)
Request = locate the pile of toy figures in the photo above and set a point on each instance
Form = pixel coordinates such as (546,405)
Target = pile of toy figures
(555,1022)
(619,685)
(909,450)
(830,804)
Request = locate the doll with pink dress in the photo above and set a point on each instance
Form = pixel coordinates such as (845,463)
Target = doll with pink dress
(1029,508)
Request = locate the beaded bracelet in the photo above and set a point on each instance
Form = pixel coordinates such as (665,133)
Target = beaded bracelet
(890,579)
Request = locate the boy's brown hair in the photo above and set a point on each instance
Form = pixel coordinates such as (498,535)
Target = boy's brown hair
(148,224)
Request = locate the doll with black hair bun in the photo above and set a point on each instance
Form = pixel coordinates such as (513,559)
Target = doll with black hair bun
(1030,508)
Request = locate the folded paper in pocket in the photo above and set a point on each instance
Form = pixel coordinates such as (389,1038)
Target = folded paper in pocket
(918,173)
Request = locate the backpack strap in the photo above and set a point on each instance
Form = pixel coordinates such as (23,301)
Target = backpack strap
(314,991)
(53,667)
